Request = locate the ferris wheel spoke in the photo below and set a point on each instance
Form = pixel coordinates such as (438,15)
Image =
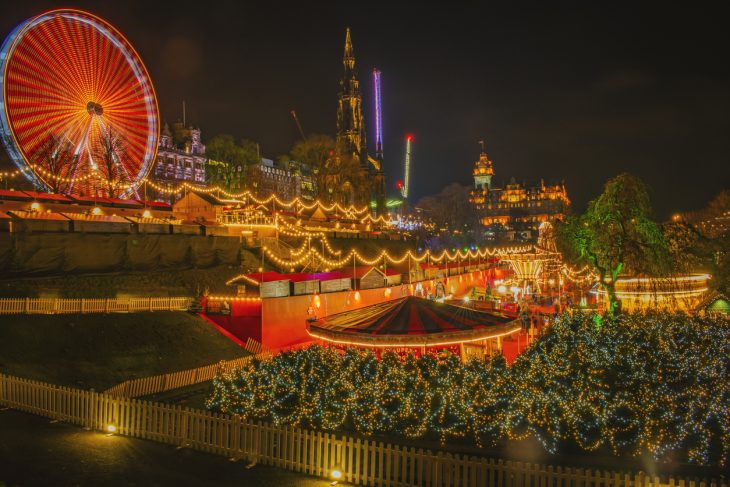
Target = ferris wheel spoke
(35,57)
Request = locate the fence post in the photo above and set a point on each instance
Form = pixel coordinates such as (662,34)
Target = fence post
(82,305)
(27,305)
(150,304)
(106,306)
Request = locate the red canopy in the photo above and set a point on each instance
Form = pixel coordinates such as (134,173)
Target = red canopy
(411,322)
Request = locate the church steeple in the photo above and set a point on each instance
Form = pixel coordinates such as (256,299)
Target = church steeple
(350,127)
(349,58)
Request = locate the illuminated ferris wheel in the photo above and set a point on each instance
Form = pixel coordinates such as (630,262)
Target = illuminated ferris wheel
(79,113)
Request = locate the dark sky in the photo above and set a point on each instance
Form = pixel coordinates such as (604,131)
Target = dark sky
(580,91)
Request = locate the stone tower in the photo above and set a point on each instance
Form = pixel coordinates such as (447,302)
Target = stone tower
(483,172)
(350,126)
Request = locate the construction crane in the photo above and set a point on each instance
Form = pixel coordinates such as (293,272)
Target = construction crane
(299,126)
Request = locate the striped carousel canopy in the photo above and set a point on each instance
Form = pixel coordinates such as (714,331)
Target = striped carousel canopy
(411,322)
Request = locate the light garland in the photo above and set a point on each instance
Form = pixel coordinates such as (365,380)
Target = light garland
(385,256)
(247,195)
(232,298)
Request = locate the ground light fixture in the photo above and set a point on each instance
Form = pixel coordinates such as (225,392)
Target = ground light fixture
(110,429)
(147,214)
(96,211)
(335,475)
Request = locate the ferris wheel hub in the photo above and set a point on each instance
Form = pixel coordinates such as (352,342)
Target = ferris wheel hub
(94,108)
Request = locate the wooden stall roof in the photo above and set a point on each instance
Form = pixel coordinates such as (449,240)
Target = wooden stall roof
(113,202)
(270,276)
(87,217)
(360,271)
(37,215)
(156,205)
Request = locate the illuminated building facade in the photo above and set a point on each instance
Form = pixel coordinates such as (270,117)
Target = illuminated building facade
(515,211)
(287,180)
(180,156)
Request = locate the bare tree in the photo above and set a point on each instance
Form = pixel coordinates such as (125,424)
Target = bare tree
(55,161)
(111,157)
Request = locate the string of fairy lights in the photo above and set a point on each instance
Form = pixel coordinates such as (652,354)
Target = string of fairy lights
(249,196)
(641,384)
(9,174)
(304,255)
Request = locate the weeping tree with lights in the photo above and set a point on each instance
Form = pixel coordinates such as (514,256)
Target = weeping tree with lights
(55,157)
(616,235)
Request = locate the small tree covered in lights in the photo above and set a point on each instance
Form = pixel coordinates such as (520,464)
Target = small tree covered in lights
(652,385)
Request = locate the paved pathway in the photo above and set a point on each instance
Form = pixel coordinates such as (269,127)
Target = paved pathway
(35,452)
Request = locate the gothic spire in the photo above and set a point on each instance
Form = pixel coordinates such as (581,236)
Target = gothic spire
(348,59)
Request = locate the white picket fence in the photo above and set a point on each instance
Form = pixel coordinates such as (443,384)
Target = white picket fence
(145,386)
(361,461)
(95,305)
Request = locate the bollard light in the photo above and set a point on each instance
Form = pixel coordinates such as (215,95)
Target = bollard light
(335,475)
(111,429)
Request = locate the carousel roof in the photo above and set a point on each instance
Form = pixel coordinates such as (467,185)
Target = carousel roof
(411,322)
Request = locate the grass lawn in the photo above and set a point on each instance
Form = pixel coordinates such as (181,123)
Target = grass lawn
(100,350)
(193,396)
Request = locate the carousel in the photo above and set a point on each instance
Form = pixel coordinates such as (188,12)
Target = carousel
(534,267)
(417,325)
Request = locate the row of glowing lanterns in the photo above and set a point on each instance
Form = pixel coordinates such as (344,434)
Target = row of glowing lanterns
(35,206)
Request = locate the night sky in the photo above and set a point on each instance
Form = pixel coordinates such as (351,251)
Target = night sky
(580,91)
